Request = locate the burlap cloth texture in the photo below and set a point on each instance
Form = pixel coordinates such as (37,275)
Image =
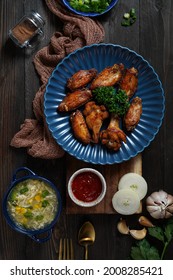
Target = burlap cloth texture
(77,32)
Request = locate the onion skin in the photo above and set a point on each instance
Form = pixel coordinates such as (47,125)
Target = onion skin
(160,205)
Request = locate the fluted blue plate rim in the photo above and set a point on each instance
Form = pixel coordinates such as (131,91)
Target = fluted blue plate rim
(150,89)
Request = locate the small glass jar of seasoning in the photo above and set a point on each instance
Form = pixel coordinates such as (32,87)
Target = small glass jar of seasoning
(28,31)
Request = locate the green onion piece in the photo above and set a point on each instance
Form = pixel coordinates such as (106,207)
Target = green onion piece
(13,196)
(45,203)
(28,215)
(132,21)
(39,217)
(23,190)
(126,22)
(45,193)
(129,18)
(132,12)
(126,15)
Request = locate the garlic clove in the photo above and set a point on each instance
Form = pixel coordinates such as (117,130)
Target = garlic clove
(122,227)
(149,201)
(170,199)
(157,198)
(154,198)
(138,234)
(170,208)
(163,197)
(145,221)
(153,208)
(169,211)
(157,214)
(168,214)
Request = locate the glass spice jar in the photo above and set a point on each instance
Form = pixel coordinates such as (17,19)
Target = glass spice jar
(28,31)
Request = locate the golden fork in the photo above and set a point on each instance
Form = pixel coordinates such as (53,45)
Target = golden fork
(66,251)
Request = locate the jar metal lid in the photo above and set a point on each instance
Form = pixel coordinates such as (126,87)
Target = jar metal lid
(38,17)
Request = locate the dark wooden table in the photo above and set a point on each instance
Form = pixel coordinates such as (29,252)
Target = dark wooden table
(151,36)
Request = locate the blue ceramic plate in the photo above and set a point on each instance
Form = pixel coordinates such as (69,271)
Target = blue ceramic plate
(149,89)
(112,4)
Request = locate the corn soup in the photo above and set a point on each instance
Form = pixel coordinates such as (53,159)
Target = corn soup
(32,204)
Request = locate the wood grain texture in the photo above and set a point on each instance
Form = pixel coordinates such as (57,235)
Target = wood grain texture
(152,37)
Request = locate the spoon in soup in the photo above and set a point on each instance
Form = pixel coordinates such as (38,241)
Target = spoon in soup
(86,236)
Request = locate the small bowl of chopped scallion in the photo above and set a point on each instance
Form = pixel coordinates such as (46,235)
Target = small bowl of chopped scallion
(90,8)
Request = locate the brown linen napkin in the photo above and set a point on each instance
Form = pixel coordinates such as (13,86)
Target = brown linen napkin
(77,32)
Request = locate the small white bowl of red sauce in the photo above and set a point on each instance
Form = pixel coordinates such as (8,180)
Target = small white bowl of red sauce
(87,187)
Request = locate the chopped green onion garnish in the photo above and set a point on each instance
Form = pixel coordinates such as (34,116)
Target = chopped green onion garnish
(23,190)
(132,12)
(126,15)
(45,203)
(129,18)
(45,193)
(28,215)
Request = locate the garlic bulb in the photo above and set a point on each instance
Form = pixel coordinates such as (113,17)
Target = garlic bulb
(160,205)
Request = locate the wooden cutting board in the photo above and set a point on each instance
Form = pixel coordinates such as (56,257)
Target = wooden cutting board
(112,174)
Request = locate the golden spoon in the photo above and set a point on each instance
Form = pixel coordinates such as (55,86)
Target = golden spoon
(86,236)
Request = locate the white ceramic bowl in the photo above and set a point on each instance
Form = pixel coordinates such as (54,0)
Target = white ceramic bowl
(81,202)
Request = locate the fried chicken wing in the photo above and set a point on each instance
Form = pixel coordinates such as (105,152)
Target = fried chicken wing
(81,79)
(113,136)
(75,99)
(79,127)
(95,115)
(129,81)
(132,117)
(108,77)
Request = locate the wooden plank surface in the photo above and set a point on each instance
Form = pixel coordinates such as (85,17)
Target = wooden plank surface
(151,36)
(112,175)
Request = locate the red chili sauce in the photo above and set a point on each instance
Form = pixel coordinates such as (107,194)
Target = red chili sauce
(86,186)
